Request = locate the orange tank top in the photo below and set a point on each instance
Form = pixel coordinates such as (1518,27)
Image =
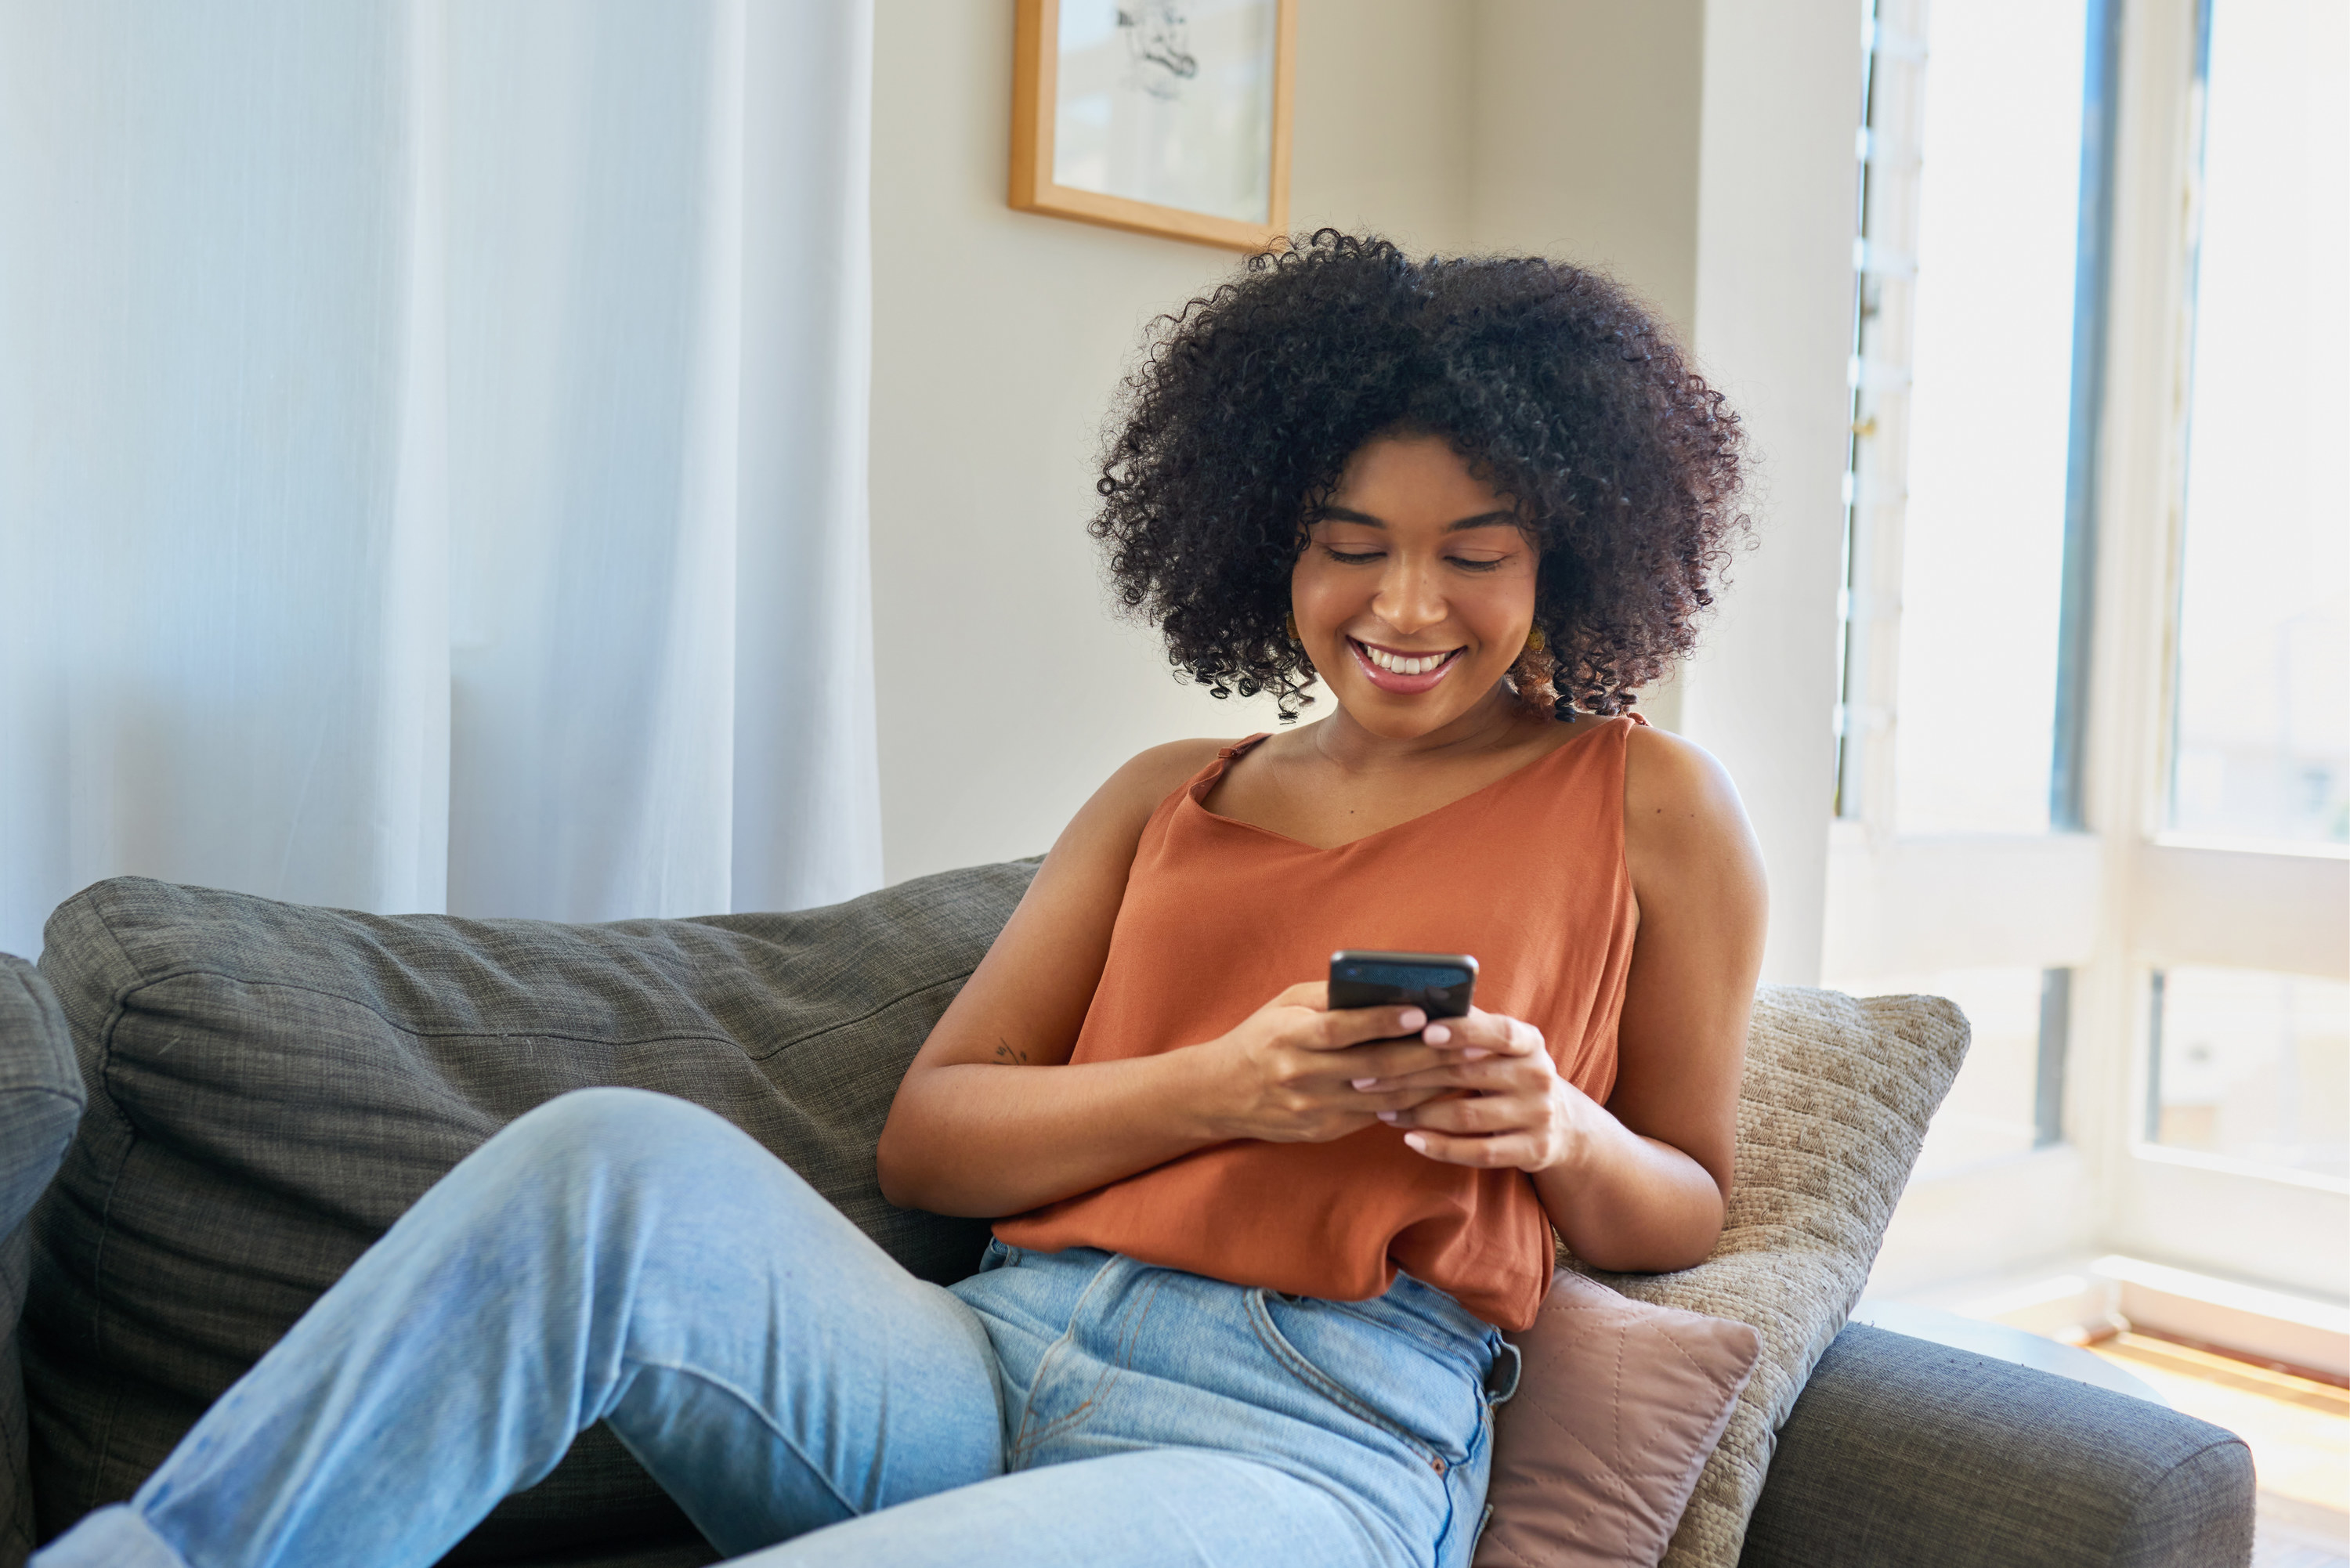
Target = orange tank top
(1526,874)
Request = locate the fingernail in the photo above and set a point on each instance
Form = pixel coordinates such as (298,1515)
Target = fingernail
(1415,1143)
(1474,1054)
(1412,1017)
(1365,1082)
(1388,1116)
(1437,1035)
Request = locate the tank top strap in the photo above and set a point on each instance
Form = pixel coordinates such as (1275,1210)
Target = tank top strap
(1197,788)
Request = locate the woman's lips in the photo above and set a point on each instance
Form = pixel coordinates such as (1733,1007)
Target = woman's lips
(1402,685)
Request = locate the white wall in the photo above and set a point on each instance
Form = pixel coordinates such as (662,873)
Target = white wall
(1586,144)
(1006,690)
(1703,153)
(1777,195)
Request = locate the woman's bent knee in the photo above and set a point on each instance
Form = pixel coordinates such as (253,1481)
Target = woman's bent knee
(614,1119)
(655,1141)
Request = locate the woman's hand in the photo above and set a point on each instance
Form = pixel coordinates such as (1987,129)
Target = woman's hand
(1496,1098)
(1296,1071)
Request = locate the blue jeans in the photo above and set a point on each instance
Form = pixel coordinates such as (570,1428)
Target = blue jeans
(625,1257)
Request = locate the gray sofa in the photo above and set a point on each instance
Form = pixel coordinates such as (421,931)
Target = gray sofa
(210,1103)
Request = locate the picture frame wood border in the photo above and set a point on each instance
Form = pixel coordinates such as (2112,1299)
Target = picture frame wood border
(1035,64)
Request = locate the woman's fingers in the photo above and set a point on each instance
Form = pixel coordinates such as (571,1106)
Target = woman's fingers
(1390,1061)
(1354,1025)
(1483,1116)
(1491,1074)
(1482,1033)
(1451,1046)
(1485,1153)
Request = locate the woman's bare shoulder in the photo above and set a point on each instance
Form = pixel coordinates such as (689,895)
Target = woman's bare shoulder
(1151,775)
(1683,821)
(1128,797)
(1670,781)
(1161,768)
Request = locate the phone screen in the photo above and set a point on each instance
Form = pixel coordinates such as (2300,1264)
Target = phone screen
(1438,984)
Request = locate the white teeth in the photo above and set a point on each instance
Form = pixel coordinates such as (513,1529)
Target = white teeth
(1401,664)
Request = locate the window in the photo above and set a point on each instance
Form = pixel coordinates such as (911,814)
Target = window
(1991,384)
(2261,712)
(2096,733)
(2251,1065)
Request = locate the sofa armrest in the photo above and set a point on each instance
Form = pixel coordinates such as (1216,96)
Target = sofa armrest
(41,1100)
(1904,1452)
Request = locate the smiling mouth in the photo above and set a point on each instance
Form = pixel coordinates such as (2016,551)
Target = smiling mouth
(1391,670)
(1403,663)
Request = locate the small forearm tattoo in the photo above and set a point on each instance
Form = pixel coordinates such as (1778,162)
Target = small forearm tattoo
(1009,1054)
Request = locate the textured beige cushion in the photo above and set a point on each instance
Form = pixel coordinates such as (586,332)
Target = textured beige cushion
(1835,1103)
(1619,1404)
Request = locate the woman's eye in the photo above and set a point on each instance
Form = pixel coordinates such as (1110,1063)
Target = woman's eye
(1467,564)
(1351,557)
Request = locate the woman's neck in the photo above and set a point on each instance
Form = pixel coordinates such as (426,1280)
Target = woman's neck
(1494,722)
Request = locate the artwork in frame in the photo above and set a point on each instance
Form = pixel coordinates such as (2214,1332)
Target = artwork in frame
(1166,117)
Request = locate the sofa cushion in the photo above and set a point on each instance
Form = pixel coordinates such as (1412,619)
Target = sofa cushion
(1834,1101)
(271,1085)
(1618,1406)
(40,1101)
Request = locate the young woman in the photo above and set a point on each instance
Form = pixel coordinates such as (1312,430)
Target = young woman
(1254,1255)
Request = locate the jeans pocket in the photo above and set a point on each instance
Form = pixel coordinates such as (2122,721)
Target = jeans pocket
(1432,1411)
(1509,1366)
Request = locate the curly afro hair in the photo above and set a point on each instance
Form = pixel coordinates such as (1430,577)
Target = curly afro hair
(1557,388)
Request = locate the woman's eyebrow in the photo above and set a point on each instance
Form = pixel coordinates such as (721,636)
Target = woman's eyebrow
(1482,519)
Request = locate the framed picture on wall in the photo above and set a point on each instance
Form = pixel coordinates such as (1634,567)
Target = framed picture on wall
(1166,117)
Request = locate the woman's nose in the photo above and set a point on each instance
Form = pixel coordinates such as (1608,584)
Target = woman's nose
(1408,599)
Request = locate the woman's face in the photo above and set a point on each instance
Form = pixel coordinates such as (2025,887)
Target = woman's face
(1416,589)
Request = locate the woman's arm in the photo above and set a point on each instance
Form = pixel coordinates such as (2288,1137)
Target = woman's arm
(1697,872)
(1640,1183)
(991,1119)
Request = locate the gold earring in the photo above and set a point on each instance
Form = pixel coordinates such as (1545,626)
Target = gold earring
(1537,641)
(1289,624)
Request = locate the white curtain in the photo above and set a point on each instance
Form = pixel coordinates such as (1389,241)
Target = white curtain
(432,442)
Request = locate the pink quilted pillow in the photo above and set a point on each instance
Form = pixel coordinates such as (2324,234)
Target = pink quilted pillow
(1619,1403)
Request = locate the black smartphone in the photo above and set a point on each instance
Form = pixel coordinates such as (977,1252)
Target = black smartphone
(1438,983)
